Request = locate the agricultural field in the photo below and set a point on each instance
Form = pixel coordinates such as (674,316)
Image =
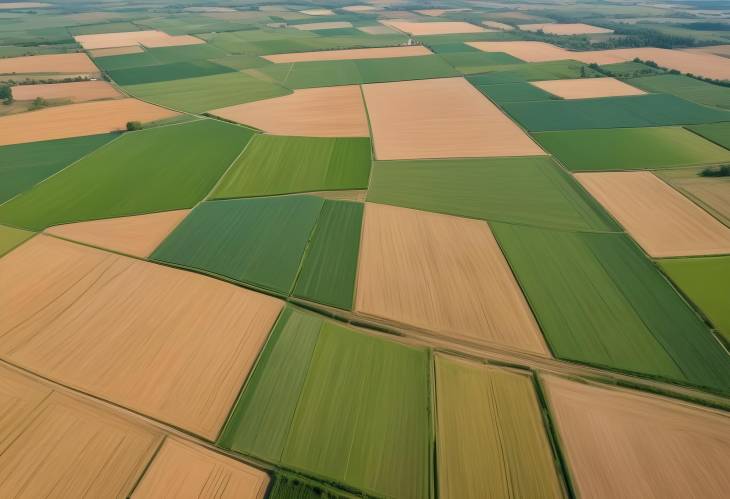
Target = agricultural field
(387,250)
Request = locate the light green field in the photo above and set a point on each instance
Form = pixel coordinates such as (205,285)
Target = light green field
(488,415)
(281,165)
(687,88)
(11,238)
(706,282)
(630,148)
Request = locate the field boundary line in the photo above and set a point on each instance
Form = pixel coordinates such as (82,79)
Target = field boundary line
(225,172)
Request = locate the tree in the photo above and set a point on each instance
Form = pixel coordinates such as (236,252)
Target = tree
(6,94)
(133,125)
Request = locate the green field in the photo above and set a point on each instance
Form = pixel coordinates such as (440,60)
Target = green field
(24,165)
(712,193)
(719,133)
(612,112)
(687,88)
(476,61)
(513,92)
(11,237)
(256,241)
(488,415)
(533,191)
(160,169)
(197,95)
(328,270)
(630,70)
(348,72)
(706,282)
(161,55)
(534,71)
(599,300)
(281,165)
(344,406)
(630,148)
(167,72)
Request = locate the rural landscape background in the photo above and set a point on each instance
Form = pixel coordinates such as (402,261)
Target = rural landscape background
(379,248)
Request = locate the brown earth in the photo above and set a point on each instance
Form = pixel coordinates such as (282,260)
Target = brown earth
(68,448)
(86,118)
(20,396)
(443,274)
(182,469)
(313,112)
(24,5)
(377,30)
(359,8)
(148,38)
(316,26)
(318,12)
(565,29)
(347,54)
(137,235)
(132,49)
(441,118)
(173,345)
(663,221)
(433,28)
(526,51)
(633,445)
(586,88)
(55,63)
(78,91)
(723,50)
(439,12)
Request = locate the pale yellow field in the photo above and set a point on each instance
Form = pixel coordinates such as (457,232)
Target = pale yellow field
(313,112)
(565,29)
(318,12)
(723,50)
(498,25)
(444,274)
(77,91)
(526,51)
(360,8)
(632,445)
(347,54)
(55,63)
(148,38)
(434,28)
(137,235)
(377,30)
(438,12)
(68,448)
(663,221)
(586,88)
(75,120)
(24,5)
(329,25)
(186,471)
(132,49)
(140,335)
(441,118)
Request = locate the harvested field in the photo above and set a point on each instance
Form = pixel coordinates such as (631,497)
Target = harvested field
(78,91)
(329,266)
(723,50)
(136,235)
(706,281)
(532,191)
(444,274)
(11,238)
(612,112)
(318,26)
(622,443)
(438,119)
(347,54)
(337,404)
(273,165)
(312,112)
(433,28)
(712,193)
(360,8)
(149,38)
(526,51)
(487,415)
(181,469)
(587,88)
(24,165)
(634,199)
(318,12)
(24,5)
(132,49)
(707,65)
(117,180)
(259,241)
(600,301)
(74,120)
(564,29)
(20,397)
(54,63)
(140,335)
(630,148)
(438,12)
(70,449)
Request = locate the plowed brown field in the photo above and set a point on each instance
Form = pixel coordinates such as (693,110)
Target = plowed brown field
(56,63)
(78,91)
(148,38)
(586,88)
(347,54)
